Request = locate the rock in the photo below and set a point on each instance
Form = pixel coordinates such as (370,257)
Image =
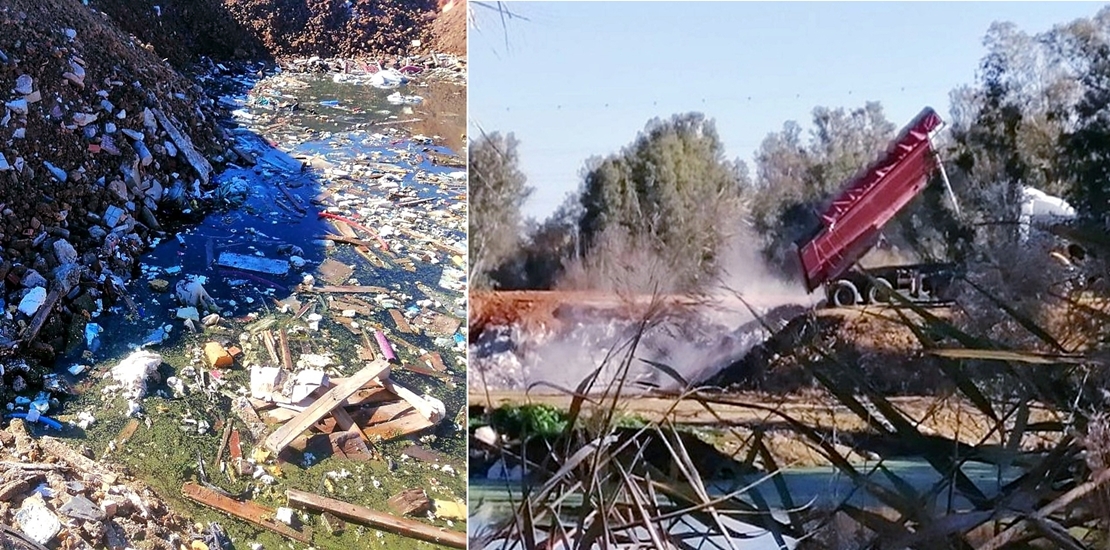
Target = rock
(171,149)
(332,524)
(82,508)
(32,278)
(18,106)
(159,285)
(119,188)
(211,320)
(109,507)
(297,262)
(24,84)
(58,173)
(84,119)
(64,252)
(145,157)
(37,521)
(216,356)
(31,303)
(137,136)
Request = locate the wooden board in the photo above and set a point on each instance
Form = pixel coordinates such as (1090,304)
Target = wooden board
(386,522)
(248,511)
(400,321)
(324,405)
(353,289)
(409,422)
(334,272)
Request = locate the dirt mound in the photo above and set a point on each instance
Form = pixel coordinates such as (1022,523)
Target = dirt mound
(88,160)
(181,30)
(336,28)
(449,28)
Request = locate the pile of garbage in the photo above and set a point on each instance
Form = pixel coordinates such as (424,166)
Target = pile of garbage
(514,356)
(54,496)
(104,145)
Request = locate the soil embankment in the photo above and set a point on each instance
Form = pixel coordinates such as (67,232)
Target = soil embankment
(182,30)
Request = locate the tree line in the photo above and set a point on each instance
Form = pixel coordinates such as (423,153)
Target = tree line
(657,214)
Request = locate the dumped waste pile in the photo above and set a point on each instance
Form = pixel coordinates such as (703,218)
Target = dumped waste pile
(59,496)
(521,338)
(103,145)
(308,329)
(246,290)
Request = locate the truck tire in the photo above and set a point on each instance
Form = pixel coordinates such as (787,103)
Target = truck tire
(880,291)
(844,293)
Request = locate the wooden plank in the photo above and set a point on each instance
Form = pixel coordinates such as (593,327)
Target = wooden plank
(44,311)
(352,289)
(324,405)
(408,423)
(386,522)
(401,322)
(334,272)
(271,347)
(248,511)
(433,413)
(410,502)
(246,413)
(435,361)
(286,356)
(370,395)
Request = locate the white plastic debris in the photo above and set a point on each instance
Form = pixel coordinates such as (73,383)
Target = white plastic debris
(85,419)
(31,303)
(386,79)
(284,515)
(190,291)
(188,313)
(133,372)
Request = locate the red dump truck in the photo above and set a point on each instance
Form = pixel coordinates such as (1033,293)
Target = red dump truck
(853,221)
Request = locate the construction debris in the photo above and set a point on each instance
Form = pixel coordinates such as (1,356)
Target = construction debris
(366,516)
(249,511)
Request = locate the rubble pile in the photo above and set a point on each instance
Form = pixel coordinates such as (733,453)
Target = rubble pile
(101,144)
(60,498)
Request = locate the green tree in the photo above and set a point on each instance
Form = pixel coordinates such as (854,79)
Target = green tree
(794,179)
(671,192)
(1085,44)
(498,190)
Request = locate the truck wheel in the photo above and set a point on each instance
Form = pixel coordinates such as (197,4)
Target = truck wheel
(880,292)
(844,293)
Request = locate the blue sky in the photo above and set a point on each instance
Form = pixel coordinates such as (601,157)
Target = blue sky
(579,79)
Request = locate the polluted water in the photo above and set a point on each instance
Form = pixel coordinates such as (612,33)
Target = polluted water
(299,351)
